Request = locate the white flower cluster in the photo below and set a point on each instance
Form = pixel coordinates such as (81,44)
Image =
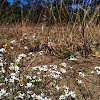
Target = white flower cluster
(30,94)
(67,93)
(20,57)
(63,64)
(32,79)
(3,93)
(97,70)
(13,77)
(63,70)
(81,74)
(13,41)
(40,53)
(79,81)
(1,84)
(5,45)
(26,48)
(2,70)
(28,77)
(54,67)
(29,85)
(92,72)
(34,36)
(14,67)
(43,68)
(40,97)
(36,79)
(72,58)
(55,74)
(2,63)
(30,53)
(20,95)
(2,50)
(25,34)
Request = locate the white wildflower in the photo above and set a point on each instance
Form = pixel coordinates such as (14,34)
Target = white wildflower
(6,79)
(33,36)
(28,77)
(48,44)
(2,84)
(13,41)
(79,81)
(63,64)
(34,77)
(11,80)
(98,72)
(12,48)
(29,92)
(5,45)
(72,58)
(1,64)
(30,53)
(35,68)
(71,67)
(92,72)
(62,97)
(34,96)
(11,66)
(21,95)
(45,68)
(22,55)
(57,87)
(54,67)
(56,76)
(39,97)
(42,94)
(2,50)
(16,68)
(3,91)
(26,47)
(40,53)
(44,75)
(66,93)
(29,85)
(97,67)
(3,70)
(72,94)
(25,34)
(63,70)
(81,74)
(1,55)
(28,58)
(65,87)
(38,73)
(13,75)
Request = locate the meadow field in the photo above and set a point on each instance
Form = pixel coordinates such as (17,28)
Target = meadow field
(50,60)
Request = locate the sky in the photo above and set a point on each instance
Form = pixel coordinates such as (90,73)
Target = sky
(74,6)
(11,1)
(24,0)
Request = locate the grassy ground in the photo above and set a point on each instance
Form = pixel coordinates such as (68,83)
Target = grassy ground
(45,49)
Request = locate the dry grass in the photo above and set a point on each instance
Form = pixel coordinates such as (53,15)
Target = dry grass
(58,42)
(57,39)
